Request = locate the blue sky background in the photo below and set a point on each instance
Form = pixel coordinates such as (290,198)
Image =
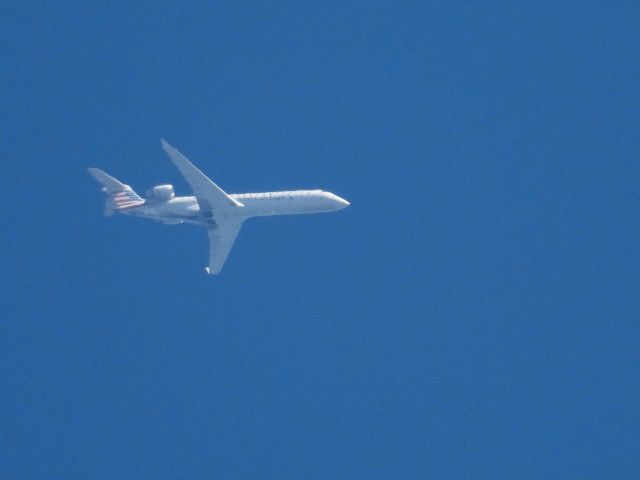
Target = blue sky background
(473,314)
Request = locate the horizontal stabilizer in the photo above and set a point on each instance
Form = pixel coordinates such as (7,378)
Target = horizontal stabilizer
(107,181)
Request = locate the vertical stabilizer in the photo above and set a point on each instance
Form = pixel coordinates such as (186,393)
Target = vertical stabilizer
(119,196)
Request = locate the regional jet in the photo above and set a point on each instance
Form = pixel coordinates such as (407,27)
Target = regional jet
(222,214)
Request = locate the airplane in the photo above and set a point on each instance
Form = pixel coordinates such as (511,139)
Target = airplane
(221,213)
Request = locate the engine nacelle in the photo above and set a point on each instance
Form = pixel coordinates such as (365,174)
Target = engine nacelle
(161,193)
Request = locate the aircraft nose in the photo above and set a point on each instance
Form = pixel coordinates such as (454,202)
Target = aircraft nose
(341,202)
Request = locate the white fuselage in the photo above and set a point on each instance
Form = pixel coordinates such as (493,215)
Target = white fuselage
(187,209)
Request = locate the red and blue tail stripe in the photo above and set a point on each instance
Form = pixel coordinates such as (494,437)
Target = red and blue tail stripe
(126,199)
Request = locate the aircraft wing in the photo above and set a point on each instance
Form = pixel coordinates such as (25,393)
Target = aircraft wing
(221,238)
(209,195)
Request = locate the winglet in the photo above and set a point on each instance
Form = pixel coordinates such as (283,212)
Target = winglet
(165,145)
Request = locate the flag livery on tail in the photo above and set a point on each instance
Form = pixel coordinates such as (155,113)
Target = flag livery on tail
(126,199)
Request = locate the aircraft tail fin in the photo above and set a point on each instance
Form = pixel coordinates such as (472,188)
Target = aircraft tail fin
(119,196)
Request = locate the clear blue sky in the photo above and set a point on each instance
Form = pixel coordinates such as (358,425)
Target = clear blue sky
(473,314)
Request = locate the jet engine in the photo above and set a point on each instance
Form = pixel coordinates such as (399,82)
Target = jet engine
(161,193)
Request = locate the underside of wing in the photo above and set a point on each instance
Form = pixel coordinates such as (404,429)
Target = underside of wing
(221,239)
(210,196)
